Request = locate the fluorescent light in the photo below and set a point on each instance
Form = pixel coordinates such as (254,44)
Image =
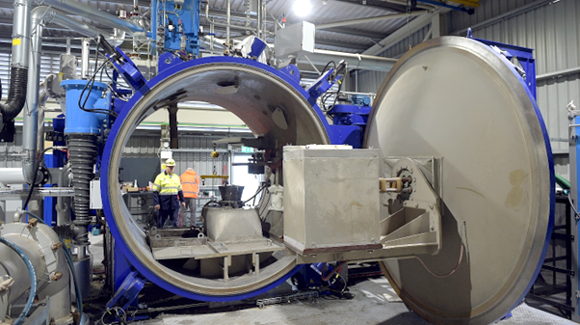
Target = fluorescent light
(302,7)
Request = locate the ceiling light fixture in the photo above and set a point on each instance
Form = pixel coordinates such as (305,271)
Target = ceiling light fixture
(302,7)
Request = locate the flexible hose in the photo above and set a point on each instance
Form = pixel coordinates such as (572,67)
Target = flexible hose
(68,256)
(564,183)
(16,94)
(32,273)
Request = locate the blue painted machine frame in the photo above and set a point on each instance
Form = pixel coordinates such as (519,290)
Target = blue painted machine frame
(125,261)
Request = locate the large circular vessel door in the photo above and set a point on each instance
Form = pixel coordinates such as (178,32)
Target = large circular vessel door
(457,100)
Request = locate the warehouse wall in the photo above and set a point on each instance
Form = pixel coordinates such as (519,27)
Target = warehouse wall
(553,31)
(551,28)
(146,145)
(370,81)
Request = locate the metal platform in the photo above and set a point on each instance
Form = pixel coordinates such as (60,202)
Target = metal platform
(167,244)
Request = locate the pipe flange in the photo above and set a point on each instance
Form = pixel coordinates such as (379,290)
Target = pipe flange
(45,176)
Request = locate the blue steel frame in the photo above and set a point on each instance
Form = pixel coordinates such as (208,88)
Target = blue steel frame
(524,55)
(57,159)
(127,262)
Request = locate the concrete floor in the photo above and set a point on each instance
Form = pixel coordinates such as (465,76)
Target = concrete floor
(375,303)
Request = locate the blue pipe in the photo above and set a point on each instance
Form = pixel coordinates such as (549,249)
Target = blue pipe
(441,4)
(32,273)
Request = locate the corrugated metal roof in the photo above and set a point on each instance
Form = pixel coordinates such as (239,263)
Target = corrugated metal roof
(333,11)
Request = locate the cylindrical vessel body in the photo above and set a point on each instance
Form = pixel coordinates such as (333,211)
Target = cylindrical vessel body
(250,90)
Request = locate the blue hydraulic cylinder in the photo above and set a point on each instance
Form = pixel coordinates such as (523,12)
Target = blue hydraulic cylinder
(79,120)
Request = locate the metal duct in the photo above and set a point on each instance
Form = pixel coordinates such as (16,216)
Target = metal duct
(355,61)
(77,8)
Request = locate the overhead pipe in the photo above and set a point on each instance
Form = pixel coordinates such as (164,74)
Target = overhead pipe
(355,61)
(259,19)
(60,18)
(212,22)
(78,8)
(30,123)
(322,57)
(19,64)
(11,176)
(85,52)
(228,16)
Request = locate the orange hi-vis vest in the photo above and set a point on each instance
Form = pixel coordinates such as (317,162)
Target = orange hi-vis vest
(190,184)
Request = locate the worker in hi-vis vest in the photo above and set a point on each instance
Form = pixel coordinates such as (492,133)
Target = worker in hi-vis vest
(190,183)
(168,195)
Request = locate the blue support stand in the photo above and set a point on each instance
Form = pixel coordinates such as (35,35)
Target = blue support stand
(57,159)
(128,292)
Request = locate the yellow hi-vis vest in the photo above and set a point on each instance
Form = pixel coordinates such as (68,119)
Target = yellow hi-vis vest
(167,185)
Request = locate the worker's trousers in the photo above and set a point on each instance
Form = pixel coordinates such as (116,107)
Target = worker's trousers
(172,215)
(188,220)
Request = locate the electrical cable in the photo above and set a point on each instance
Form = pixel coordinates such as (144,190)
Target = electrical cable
(576,214)
(450,272)
(69,259)
(327,65)
(461,253)
(32,274)
(328,276)
(91,81)
(257,192)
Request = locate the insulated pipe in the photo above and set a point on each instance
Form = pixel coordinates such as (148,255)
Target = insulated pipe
(355,61)
(60,18)
(78,8)
(259,19)
(228,16)
(19,65)
(85,52)
(11,176)
(30,123)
